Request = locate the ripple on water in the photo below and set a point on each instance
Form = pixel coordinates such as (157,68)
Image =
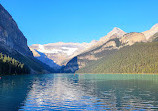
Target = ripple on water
(82,92)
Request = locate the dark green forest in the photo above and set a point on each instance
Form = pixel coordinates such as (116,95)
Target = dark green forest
(138,58)
(9,65)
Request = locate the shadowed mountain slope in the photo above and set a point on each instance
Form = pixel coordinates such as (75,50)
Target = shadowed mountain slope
(14,44)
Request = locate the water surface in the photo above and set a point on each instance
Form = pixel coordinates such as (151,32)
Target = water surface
(79,92)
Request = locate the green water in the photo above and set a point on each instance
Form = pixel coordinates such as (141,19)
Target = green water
(79,92)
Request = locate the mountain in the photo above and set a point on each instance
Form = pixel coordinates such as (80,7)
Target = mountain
(115,33)
(10,35)
(138,58)
(149,33)
(60,52)
(115,30)
(83,59)
(43,58)
(69,57)
(133,37)
(107,45)
(154,38)
(14,44)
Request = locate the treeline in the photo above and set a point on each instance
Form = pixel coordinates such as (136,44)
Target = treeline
(9,65)
(138,58)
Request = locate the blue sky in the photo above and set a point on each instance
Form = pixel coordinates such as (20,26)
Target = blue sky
(50,21)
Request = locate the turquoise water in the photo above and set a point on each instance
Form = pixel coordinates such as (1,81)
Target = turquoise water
(79,92)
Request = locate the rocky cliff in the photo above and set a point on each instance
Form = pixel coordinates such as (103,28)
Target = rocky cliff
(10,35)
(149,33)
(115,33)
(133,37)
(14,44)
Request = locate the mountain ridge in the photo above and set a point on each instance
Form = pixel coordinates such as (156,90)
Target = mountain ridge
(137,58)
(151,31)
(61,52)
(109,44)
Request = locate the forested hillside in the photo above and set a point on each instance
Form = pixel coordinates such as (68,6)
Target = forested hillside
(138,58)
(9,65)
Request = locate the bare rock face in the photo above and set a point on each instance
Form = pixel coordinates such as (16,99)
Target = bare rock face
(110,44)
(151,32)
(115,30)
(10,35)
(115,33)
(131,38)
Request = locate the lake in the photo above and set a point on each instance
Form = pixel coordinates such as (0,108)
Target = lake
(79,92)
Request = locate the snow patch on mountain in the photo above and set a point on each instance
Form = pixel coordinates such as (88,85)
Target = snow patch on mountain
(69,50)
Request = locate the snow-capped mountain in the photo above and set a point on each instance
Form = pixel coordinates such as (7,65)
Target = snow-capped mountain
(60,52)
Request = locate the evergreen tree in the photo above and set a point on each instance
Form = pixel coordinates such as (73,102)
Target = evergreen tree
(9,65)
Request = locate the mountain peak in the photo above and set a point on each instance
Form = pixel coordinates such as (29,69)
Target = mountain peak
(117,31)
(149,33)
(154,27)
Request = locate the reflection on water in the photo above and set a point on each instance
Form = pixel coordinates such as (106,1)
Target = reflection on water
(80,92)
(13,91)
